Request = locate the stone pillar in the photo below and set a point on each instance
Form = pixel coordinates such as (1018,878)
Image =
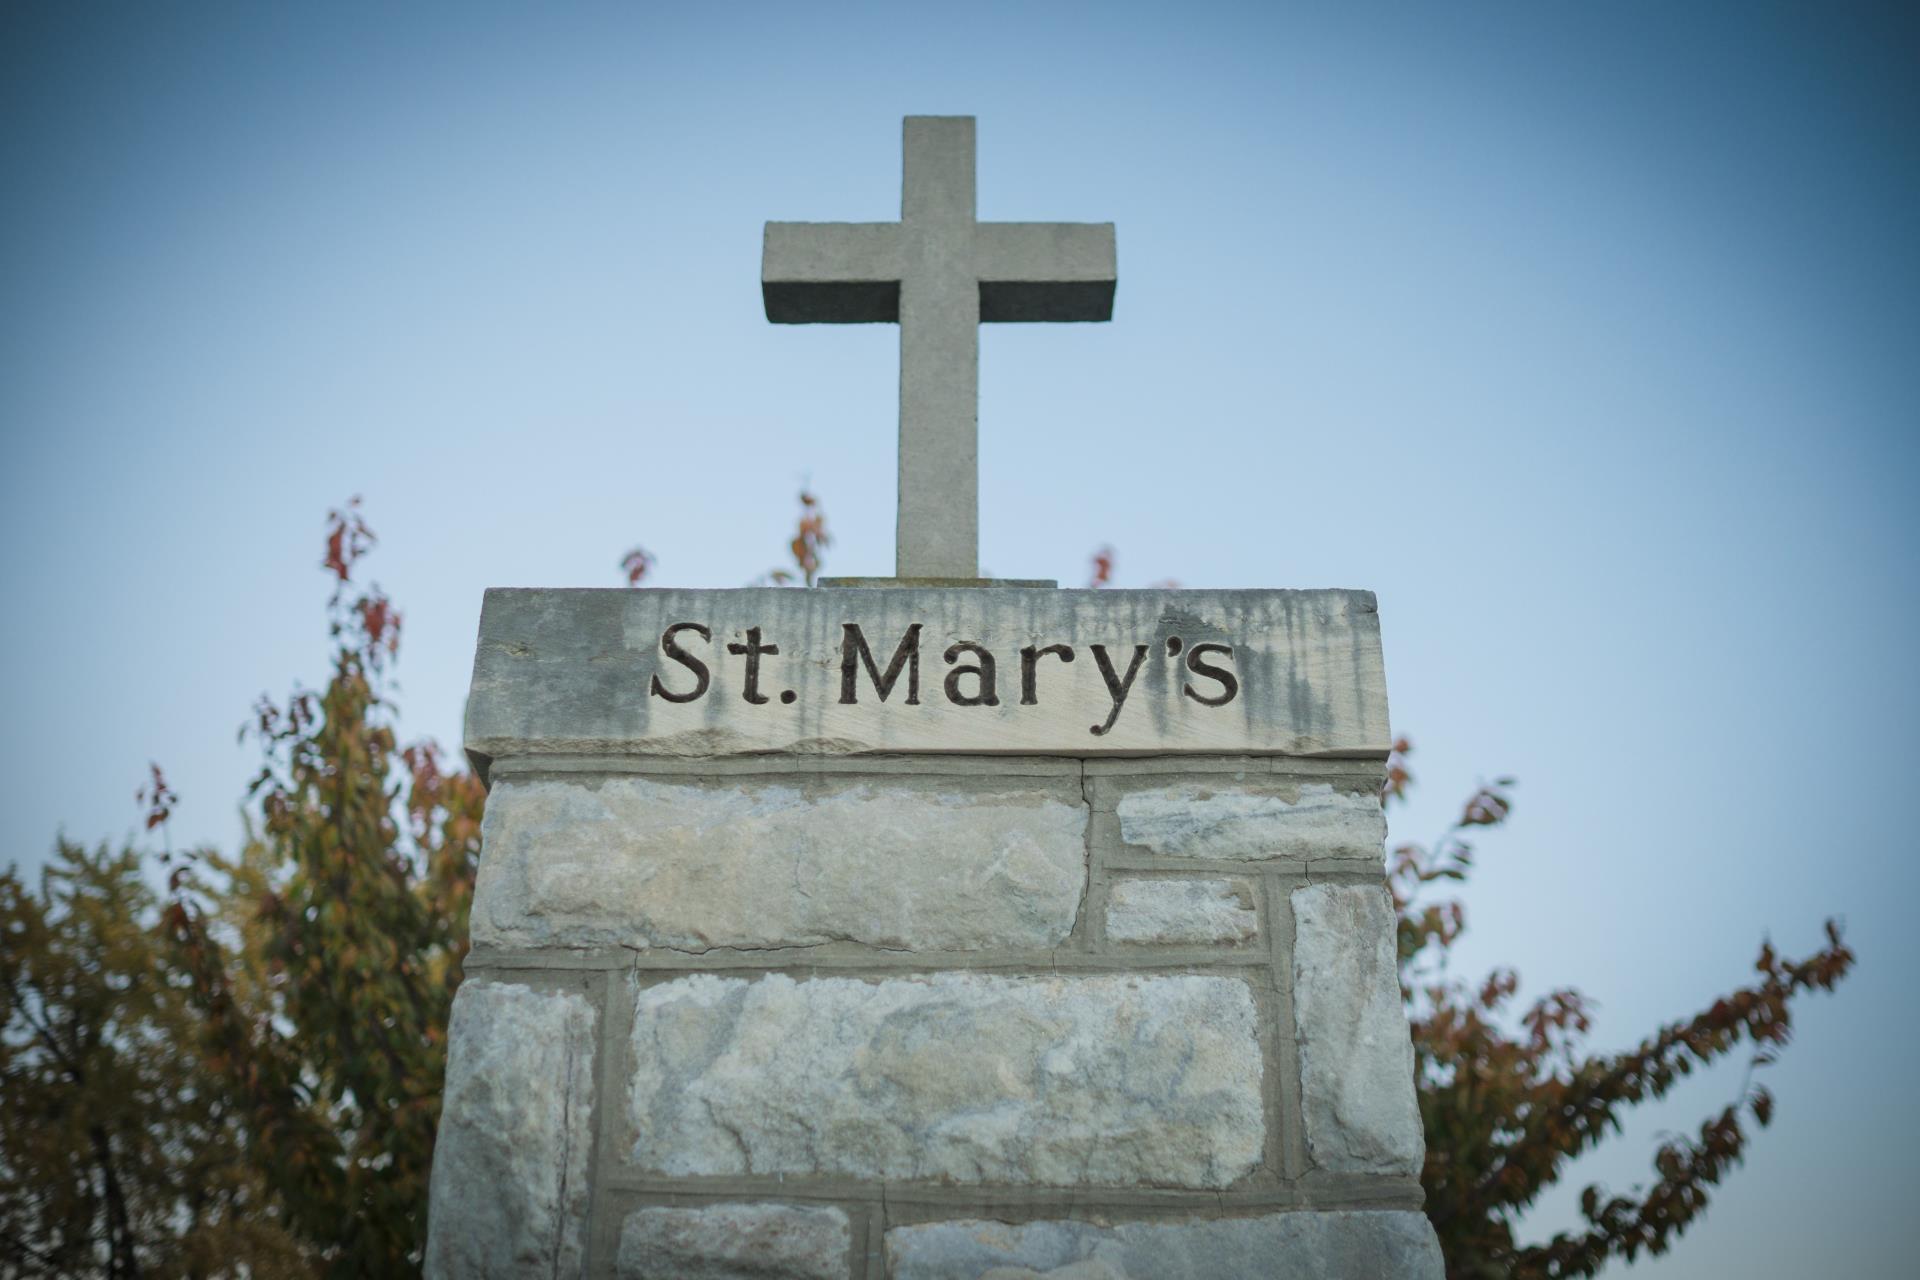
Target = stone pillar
(1071,957)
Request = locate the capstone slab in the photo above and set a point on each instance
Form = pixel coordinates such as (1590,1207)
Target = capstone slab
(926,670)
(1105,1080)
(1253,822)
(1337,1245)
(1195,912)
(509,1182)
(735,1242)
(901,863)
(1356,1056)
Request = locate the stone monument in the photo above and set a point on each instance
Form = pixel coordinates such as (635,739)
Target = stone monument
(927,928)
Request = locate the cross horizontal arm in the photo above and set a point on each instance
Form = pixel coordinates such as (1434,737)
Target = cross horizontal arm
(831,272)
(1045,271)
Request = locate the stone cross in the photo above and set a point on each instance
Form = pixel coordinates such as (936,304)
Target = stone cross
(938,274)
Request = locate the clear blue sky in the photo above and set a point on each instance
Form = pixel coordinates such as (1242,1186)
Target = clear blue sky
(1587,336)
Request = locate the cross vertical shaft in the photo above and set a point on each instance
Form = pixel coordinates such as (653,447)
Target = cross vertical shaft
(937,531)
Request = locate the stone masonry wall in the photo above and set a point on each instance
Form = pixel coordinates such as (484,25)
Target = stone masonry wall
(930,1016)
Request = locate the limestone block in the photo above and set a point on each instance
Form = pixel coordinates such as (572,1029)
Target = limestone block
(973,670)
(509,1182)
(1199,912)
(1063,1080)
(1339,1245)
(735,1242)
(904,863)
(1253,821)
(1356,1056)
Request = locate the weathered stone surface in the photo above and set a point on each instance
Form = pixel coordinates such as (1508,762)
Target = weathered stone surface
(1199,912)
(1063,1080)
(909,863)
(1253,821)
(575,672)
(1339,1245)
(509,1183)
(1356,1057)
(735,1242)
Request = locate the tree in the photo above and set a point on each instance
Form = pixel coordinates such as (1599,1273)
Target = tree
(1507,1107)
(120,1153)
(327,1012)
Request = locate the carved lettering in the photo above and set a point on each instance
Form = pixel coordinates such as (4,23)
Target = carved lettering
(1116,686)
(972,678)
(854,653)
(1029,675)
(1196,663)
(670,646)
(753,649)
(986,692)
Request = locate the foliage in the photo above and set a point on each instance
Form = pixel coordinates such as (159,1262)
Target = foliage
(326,1014)
(1103,563)
(636,564)
(120,1154)
(1101,573)
(808,548)
(1506,1109)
